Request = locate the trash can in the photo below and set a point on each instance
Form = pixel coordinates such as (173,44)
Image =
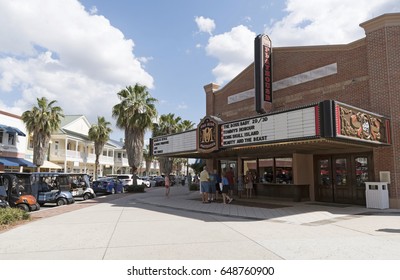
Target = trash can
(377,195)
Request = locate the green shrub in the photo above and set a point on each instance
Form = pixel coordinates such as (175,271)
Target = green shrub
(135,189)
(194,187)
(12,215)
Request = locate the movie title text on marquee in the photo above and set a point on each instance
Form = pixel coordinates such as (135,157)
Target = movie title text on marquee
(294,124)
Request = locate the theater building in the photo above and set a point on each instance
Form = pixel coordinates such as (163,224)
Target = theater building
(312,122)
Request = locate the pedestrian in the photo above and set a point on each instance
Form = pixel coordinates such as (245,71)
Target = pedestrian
(240,185)
(225,189)
(249,183)
(218,186)
(231,179)
(204,184)
(213,188)
(167,185)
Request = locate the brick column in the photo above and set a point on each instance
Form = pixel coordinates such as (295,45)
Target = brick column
(383,56)
(210,89)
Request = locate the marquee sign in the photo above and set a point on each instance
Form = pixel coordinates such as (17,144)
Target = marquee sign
(357,124)
(290,125)
(176,143)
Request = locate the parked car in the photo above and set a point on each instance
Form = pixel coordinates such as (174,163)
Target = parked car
(144,181)
(18,191)
(160,181)
(151,182)
(127,179)
(108,185)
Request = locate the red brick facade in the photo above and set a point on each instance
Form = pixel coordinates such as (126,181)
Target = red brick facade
(367,77)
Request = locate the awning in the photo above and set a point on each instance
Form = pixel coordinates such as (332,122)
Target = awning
(10,161)
(48,164)
(11,130)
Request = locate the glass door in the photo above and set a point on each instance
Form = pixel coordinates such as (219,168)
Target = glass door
(324,187)
(342,180)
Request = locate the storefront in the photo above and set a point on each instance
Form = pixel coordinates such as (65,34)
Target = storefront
(310,123)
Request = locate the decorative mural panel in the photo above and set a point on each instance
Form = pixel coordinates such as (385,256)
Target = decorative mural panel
(208,134)
(357,124)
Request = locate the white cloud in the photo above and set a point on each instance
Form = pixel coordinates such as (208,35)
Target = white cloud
(234,51)
(316,22)
(206,25)
(182,105)
(66,54)
(311,22)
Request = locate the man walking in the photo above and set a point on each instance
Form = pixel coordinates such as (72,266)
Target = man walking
(204,184)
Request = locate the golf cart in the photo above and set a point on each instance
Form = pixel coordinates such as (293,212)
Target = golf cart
(3,195)
(47,189)
(78,184)
(18,191)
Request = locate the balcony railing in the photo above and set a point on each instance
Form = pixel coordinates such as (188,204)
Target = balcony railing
(78,156)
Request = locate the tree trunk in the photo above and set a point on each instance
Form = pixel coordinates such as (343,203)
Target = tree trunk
(134,142)
(165,165)
(40,148)
(148,165)
(96,166)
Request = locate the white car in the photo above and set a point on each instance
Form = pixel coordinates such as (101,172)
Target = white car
(127,179)
(148,182)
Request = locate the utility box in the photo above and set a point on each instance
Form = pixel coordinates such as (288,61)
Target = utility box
(377,195)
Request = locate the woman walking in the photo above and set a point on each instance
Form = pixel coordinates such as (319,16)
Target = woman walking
(167,185)
(225,189)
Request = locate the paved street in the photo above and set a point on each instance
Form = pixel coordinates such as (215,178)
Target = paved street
(151,226)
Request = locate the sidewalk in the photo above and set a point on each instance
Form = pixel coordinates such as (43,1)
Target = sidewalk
(267,209)
(149,225)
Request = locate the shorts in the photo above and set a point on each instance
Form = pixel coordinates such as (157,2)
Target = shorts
(225,189)
(213,188)
(205,187)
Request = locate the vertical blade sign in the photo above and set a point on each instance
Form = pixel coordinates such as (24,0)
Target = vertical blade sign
(262,71)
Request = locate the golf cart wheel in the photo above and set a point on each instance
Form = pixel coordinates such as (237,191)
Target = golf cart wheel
(23,207)
(37,206)
(86,196)
(61,201)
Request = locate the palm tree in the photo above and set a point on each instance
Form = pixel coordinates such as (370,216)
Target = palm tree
(135,114)
(41,122)
(186,125)
(148,158)
(167,124)
(99,133)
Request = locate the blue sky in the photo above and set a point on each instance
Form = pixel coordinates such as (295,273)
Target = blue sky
(81,53)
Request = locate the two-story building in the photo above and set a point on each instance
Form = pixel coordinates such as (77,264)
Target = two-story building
(70,149)
(13,142)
